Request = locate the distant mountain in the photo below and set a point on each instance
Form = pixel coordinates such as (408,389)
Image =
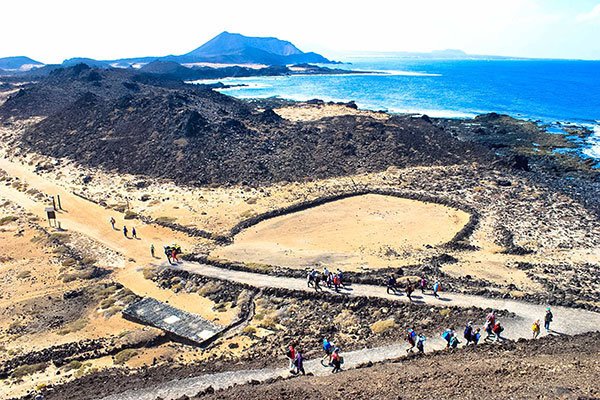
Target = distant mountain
(19,63)
(88,61)
(234,48)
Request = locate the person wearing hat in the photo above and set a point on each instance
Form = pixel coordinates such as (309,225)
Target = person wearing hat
(548,318)
(468,333)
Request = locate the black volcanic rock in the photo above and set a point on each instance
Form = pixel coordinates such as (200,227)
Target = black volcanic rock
(192,134)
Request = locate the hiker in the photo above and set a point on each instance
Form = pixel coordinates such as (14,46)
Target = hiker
(309,278)
(409,289)
(436,289)
(299,363)
(326,277)
(423,285)
(168,254)
(133,233)
(328,347)
(453,342)
(548,318)
(468,333)
(316,282)
(340,275)
(475,336)
(421,343)
(497,331)
(174,255)
(337,361)
(411,337)
(491,318)
(112,222)
(336,282)
(488,328)
(391,284)
(535,328)
(125,231)
(152,250)
(291,355)
(448,335)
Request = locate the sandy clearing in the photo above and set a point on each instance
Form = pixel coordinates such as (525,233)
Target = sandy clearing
(93,220)
(309,112)
(371,229)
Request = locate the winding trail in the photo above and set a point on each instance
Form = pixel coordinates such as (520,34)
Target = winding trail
(566,321)
(92,220)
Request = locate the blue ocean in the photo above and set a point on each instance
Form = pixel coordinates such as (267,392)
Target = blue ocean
(549,91)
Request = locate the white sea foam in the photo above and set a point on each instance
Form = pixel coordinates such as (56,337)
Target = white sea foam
(593,148)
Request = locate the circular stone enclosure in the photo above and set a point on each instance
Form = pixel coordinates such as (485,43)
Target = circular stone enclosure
(368,230)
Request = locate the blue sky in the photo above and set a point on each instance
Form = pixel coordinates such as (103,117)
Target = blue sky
(51,31)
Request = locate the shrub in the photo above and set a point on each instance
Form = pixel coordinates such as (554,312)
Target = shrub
(24,274)
(249,330)
(8,219)
(124,355)
(130,215)
(383,326)
(149,273)
(28,369)
(89,261)
(73,365)
(68,262)
(165,220)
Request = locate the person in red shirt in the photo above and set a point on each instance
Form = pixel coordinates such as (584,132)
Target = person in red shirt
(291,354)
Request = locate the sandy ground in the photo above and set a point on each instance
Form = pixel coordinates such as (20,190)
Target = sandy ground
(348,233)
(309,112)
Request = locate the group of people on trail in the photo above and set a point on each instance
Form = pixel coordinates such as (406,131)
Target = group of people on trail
(125,230)
(535,328)
(393,286)
(332,280)
(415,340)
(332,352)
(296,359)
(171,252)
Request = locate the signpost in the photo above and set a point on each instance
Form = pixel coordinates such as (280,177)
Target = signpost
(51,213)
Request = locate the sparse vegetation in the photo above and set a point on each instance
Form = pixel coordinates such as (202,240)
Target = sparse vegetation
(24,274)
(130,215)
(124,355)
(165,220)
(8,219)
(383,326)
(25,370)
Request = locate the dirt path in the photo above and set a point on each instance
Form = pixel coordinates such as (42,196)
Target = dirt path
(92,220)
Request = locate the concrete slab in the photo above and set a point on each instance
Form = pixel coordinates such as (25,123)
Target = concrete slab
(183,325)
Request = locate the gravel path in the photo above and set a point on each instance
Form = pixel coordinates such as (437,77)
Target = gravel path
(566,321)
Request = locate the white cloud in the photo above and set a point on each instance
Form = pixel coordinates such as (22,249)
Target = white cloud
(590,16)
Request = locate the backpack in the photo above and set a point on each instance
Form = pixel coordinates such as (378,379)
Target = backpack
(446,335)
(288,353)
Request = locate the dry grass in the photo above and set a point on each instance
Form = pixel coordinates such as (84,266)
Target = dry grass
(383,326)
(124,355)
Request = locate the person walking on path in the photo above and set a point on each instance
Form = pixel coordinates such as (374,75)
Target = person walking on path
(491,318)
(125,231)
(316,282)
(112,222)
(411,337)
(340,276)
(453,342)
(548,318)
(336,283)
(291,355)
(436,289)
(476,336)
(497,331)
(168,254)
(337,361)
(421,343)
(133,233)
(423,285)
(174,255)
(535,328)
(468,333)
(409,289)
(152,250)
(391,284)
(310,277)
(299,363)
(448,335)
(328,348)
(488,328)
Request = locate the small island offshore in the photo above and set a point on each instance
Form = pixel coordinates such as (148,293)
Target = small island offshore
(163,239)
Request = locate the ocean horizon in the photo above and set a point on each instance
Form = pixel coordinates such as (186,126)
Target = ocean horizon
(551,92)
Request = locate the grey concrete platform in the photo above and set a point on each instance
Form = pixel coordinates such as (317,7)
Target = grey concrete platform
(182,325)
